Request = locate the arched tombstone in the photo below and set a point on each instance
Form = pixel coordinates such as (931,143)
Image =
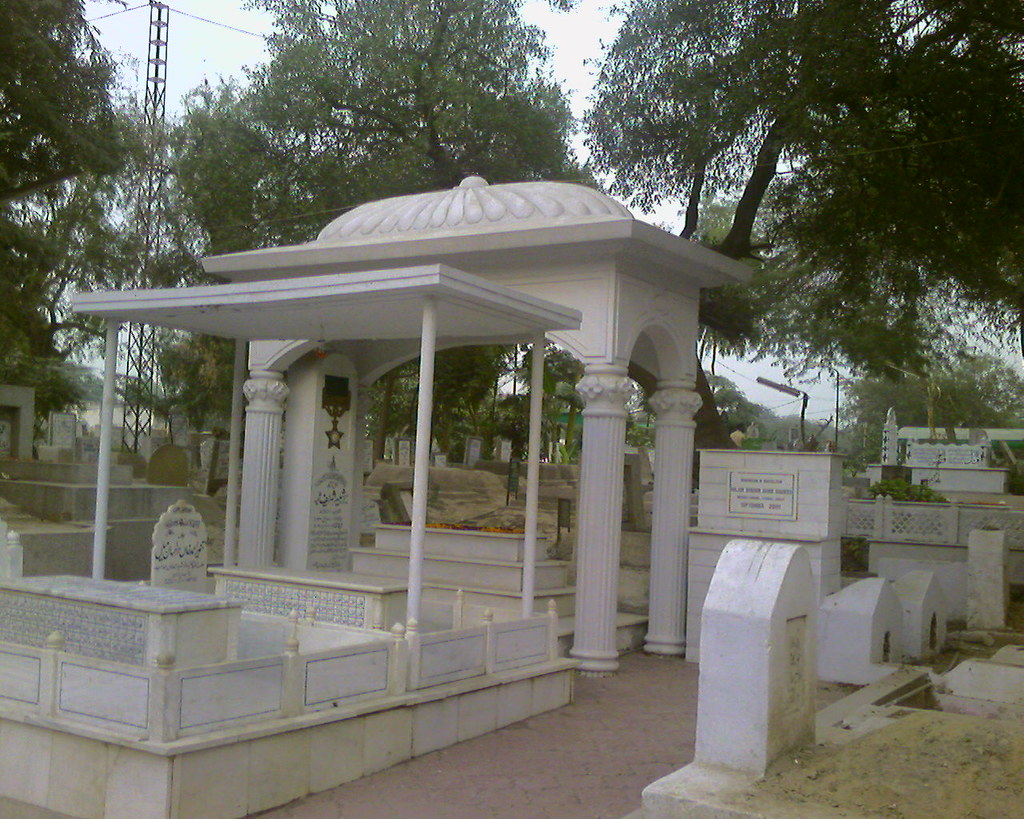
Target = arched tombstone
(179,554)
(757,665)
(924,614)
(860,633)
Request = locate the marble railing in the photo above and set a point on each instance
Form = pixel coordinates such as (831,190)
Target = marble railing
(164,702)
(937,524)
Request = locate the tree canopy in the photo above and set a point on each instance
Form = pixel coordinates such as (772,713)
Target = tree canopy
(973,391)
(871,149)
(368,99)
(57,119)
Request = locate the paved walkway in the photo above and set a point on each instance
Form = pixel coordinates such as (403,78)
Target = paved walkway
(589,760)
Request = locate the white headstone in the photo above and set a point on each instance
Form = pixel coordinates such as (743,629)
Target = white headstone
(988,583)
(404,452)
(504,449)
(179,555)
(757,662)
(924,614)
(474,448)
(860,633)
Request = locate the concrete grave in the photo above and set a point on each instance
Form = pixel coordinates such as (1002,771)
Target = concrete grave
(791,496)
(988,583)
(759,617)
(179,555)
(760,608)
(860,632)
(924,614)
(168,466)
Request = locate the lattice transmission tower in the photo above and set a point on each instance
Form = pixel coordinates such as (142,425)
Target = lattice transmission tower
(140,348)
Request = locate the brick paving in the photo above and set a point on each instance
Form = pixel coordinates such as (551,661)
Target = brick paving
(589,760)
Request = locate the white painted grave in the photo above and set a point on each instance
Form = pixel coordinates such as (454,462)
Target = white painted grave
(860,633)
(791,496)
(759,616)
(924,614)
(988,582)
(757,675)
(178,558)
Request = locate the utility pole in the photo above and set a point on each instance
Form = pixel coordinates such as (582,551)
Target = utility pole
(140,357)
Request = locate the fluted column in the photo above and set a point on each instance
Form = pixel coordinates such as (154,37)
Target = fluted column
(605,389)
(675,405)
(261,466)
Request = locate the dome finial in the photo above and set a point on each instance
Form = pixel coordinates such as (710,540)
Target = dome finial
(473,182)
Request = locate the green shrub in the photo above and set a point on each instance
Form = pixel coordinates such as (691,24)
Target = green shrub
(899,490)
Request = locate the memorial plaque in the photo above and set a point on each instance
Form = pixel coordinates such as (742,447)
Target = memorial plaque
(763,495)
(504,449)
(179,555)
(328,533)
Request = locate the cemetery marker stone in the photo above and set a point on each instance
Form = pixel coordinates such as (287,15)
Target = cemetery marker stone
(179,555)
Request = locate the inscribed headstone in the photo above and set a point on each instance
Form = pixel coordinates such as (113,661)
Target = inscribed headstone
(179,555)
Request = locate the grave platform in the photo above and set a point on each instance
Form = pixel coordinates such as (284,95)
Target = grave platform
(115,702)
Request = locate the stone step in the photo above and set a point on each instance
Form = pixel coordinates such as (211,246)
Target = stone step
(73,502)
(630,630)
(66,473)
(460,543)
(460,572)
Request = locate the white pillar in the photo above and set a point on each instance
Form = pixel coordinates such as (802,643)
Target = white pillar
(266,393)
(99,532)
(421,462)
(605,389)
(234,461)
(533,475)
(360,397)
(675,405)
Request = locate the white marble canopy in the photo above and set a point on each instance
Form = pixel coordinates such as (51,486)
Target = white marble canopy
(372,305)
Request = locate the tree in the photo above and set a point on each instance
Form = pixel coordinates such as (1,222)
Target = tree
(56,116)
(975,391)
(363,100)
(871,150)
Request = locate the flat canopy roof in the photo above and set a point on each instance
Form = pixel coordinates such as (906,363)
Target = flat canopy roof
(378,304)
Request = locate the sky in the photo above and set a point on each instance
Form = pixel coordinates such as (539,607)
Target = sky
(211,39)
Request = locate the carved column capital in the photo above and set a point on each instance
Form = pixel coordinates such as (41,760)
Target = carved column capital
(266,392)
(675,405)
(605,392)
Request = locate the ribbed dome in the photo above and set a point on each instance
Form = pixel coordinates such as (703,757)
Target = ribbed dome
(474,206)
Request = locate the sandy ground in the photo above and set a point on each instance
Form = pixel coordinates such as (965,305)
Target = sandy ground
(926,765)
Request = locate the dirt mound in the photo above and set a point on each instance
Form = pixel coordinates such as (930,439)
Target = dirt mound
(927,765)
